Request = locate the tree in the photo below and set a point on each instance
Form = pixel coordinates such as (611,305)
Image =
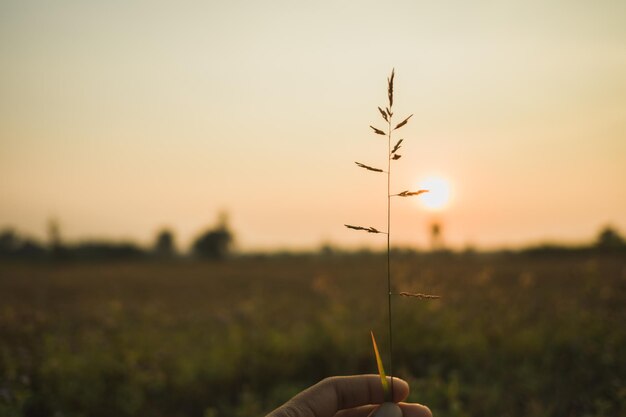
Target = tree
(164,246)
(215,243)
(609,238)
(56,249)
(9,242)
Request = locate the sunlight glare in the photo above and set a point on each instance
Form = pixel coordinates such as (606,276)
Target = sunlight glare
(438,195)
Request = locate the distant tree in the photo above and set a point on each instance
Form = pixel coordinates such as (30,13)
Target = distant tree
(9,242)
(30,249)
(54,233)
(609,238)
(327,249)
(214,243)
(164,246)
(15,246)
(436,236)
(95,250)
(56,248)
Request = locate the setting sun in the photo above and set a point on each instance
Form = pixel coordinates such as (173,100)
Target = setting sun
(438,195)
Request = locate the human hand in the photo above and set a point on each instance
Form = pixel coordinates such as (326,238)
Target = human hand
(347,396)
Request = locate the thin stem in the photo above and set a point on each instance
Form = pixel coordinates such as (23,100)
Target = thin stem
(389,254)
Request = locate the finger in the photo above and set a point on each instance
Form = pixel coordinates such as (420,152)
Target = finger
(415,410)
(354,391)
(362,411)
(408,410)
(339,393)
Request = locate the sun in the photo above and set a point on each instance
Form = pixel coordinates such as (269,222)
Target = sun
(438,196)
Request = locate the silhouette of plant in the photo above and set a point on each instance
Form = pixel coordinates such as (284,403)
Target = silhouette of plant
(392,155)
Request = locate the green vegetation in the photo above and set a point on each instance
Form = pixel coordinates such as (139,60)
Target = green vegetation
(514,335)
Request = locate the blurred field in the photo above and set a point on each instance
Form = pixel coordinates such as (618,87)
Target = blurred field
(512,335)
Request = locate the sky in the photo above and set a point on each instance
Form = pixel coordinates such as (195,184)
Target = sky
(121,118)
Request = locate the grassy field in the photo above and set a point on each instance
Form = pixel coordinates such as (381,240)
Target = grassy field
(512,335)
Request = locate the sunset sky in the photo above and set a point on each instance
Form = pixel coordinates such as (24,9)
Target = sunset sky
(119,118)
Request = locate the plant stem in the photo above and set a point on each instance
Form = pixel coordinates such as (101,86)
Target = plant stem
(389,254)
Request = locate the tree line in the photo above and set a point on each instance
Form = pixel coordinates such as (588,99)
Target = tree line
(214,243)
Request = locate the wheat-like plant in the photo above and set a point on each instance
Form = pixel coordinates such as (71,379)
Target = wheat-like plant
(392,155)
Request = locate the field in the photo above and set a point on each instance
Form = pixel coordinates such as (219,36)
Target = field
(513,335)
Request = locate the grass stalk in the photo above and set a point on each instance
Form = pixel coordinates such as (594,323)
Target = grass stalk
(389,321)
(392,155)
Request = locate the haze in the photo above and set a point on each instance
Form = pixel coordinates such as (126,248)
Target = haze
(118,118)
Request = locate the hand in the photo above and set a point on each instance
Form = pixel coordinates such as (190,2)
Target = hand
(347,396)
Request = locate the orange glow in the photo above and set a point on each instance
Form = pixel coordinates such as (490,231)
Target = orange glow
(224,111)
(438,196)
